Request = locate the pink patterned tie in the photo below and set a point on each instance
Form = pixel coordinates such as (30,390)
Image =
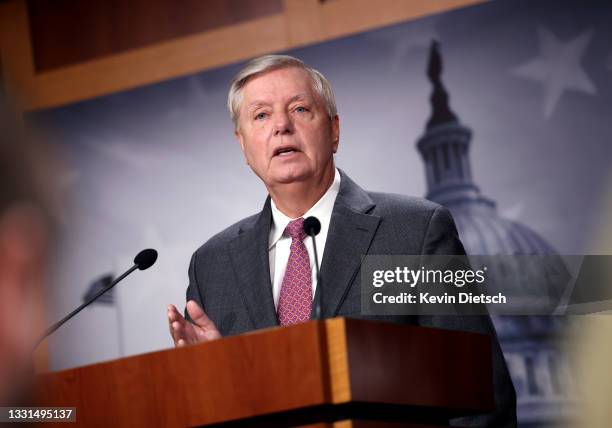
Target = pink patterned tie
(295,301)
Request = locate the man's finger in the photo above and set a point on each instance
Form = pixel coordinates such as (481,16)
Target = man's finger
(174,314)
(177,325)
(198,316)
(176,331)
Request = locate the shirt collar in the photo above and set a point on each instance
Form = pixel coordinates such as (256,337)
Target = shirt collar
(322,210)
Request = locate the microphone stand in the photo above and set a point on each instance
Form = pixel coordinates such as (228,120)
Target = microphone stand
(58,324)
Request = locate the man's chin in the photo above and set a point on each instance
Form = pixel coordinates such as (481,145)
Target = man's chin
(291,176)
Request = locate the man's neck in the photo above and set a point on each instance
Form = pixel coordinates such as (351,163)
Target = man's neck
(295,199)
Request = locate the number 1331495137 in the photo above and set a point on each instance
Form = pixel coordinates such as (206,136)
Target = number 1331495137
(37,414)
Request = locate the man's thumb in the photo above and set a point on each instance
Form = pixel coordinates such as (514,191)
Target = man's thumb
(197,314)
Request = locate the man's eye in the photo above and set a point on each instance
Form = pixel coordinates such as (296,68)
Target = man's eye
(260,116)
(301,109)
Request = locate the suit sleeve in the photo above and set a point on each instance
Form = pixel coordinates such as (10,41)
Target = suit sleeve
(193,289)
(441,237)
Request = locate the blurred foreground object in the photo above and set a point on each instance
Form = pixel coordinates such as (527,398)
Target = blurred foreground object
(593,348)
(25,235)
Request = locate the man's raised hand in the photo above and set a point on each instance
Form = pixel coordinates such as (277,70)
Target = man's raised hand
(183,332)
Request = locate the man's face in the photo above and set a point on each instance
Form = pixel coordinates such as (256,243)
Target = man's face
(284,130)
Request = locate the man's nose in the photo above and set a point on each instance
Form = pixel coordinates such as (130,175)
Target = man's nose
(282,124)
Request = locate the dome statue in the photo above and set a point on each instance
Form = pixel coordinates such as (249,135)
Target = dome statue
(530,342)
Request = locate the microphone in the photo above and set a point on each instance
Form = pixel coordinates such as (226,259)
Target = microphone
(143,260)
(312,227)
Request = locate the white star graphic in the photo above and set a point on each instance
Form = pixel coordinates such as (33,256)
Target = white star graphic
(558,67)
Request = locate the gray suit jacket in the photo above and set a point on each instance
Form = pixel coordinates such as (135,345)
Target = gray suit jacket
(229,276)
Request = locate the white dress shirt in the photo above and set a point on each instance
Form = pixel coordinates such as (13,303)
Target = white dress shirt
(279,244)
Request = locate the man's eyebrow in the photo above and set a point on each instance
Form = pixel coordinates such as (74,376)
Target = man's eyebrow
(299,97)
(296,97)
(257,103)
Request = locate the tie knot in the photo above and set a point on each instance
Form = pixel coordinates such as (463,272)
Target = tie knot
(295,229)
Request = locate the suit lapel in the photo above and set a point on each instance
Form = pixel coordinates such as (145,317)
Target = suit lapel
(249,254)
(350,233)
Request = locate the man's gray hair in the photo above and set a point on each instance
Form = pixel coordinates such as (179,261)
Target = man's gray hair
(267,63)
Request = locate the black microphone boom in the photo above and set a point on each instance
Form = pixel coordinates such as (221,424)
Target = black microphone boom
(143,260)
(312,227)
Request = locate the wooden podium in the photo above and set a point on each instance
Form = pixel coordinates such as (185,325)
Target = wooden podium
(334,373)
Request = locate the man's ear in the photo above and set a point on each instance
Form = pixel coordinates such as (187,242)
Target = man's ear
(335,132)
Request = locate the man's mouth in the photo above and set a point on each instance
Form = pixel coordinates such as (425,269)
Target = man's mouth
(285,151)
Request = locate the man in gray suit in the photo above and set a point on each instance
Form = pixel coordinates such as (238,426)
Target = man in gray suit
(258,272)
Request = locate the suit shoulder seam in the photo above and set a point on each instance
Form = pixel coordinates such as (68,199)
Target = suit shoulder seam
(427,229)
